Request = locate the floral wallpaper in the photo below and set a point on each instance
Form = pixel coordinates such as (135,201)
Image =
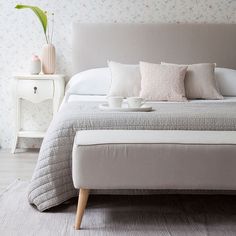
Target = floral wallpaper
(21,35)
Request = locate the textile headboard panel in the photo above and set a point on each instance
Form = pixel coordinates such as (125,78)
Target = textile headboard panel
(94,44)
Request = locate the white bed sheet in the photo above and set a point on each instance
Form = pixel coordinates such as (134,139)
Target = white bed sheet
(100,98)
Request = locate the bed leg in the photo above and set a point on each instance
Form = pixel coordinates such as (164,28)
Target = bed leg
(82,202)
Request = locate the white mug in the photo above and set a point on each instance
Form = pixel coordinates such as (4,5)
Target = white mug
(115,102)
(135,102)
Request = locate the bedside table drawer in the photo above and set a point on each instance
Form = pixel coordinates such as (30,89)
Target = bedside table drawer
(35,90)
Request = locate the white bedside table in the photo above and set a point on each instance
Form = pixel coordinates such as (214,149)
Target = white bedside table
(36,89)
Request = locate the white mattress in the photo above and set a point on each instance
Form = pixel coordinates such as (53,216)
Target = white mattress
(96,98)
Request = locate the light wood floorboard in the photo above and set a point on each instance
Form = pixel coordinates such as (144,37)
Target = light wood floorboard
(16,166)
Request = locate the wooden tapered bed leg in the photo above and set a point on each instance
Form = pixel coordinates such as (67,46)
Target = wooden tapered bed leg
(82,202)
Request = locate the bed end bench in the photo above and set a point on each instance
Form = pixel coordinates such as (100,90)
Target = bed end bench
(152,159)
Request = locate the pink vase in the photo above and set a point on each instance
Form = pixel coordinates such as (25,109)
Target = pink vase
(48,59)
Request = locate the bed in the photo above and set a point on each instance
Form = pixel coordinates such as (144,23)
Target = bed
(93,45)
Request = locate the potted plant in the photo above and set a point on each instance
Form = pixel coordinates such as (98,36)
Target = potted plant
(48,52)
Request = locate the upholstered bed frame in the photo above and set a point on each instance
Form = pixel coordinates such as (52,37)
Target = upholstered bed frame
(94,44)
(119,163)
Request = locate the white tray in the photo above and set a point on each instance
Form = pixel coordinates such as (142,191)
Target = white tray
(125,108)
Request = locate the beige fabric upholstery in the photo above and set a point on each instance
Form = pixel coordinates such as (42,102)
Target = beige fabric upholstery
(153,165)
(94,44)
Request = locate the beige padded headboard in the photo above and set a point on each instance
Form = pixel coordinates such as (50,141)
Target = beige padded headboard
(94,44)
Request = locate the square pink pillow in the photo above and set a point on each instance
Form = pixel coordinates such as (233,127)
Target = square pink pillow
(162,82)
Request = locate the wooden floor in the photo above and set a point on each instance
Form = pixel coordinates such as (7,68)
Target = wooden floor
(16,166)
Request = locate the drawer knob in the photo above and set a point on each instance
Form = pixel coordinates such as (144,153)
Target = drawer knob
(35,90)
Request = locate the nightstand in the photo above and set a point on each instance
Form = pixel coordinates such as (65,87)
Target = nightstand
(36,89)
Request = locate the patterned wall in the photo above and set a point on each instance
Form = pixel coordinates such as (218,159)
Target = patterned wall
(21,35)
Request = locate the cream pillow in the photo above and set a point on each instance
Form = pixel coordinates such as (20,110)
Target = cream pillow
(125,81)
(200,81)
(162,82)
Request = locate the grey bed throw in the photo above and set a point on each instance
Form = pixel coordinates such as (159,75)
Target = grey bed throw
(51,183)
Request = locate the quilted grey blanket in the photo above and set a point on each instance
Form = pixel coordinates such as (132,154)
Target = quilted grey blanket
(51,183)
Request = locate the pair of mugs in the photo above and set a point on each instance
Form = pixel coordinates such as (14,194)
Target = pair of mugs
(133,102)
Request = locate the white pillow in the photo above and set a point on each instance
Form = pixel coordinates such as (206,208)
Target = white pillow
(90,82)
(126,80)
(226,81)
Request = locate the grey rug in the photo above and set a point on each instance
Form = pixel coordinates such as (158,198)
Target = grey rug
(120,215)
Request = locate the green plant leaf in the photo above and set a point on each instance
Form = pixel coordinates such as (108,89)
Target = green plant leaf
(39,13)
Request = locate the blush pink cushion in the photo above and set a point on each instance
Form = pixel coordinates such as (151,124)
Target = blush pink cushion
(162,82)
